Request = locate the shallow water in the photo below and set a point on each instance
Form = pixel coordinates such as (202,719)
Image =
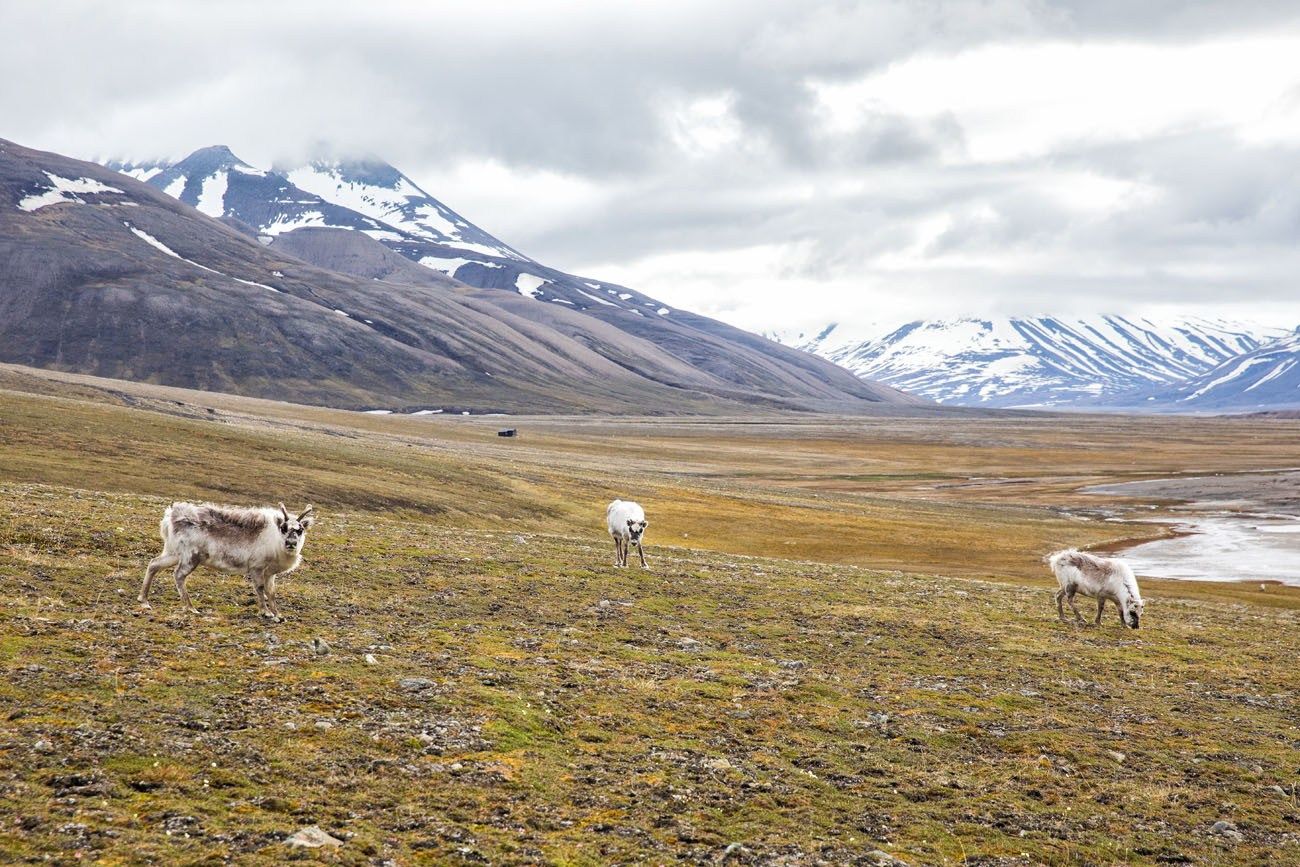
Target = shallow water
(1224,548)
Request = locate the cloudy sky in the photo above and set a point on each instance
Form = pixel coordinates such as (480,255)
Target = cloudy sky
(776,164)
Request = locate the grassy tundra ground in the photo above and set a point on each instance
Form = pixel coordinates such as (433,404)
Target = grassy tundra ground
(529,703)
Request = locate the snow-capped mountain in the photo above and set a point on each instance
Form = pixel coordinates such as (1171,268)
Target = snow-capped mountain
(1265,378)
(366,220)
(1040,361)
(373,197)
(381,192)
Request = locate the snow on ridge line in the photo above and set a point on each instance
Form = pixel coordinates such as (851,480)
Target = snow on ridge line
(63,190)
(154,242)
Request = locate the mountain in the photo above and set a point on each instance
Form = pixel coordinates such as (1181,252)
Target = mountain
(102,273)
(372,198)
(1266,378)
(1043,361)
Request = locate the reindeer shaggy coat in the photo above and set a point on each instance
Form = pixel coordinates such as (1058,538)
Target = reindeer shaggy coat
(627,523)
(1102,578)
(260,543)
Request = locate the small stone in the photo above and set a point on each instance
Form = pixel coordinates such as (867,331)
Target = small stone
(1226,829)
(733,848)
(791,664)
(43,746)
(689,644)
(1277,790)
(312,837)
(1116,755)
(371,660)
(520,540)
(416,684)
(324,724)
(320,646)
(719,764)
(881,858)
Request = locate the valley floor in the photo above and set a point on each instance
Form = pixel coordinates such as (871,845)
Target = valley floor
(794,681)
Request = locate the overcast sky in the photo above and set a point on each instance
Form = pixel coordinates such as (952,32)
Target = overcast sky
(775,164)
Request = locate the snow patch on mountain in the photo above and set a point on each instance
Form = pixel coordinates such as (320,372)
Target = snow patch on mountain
(63,189)
(528,284)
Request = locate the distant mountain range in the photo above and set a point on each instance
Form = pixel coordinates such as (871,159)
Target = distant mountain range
(1263,379)
(1098,362)
(218,275)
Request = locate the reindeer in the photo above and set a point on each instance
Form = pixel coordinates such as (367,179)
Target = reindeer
(1100,577)
(261,543)
(626,522)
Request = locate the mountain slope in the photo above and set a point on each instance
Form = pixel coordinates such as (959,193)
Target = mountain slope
(1044,361)
(1265,378)
(373,199)
(103,274)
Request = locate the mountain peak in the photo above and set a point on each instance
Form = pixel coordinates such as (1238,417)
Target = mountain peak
(211,159)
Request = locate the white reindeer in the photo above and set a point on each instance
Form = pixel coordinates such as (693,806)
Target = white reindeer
(626,522)
(1100,577)
(262,543)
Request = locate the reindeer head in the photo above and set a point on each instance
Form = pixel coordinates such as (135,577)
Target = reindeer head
(635,529)
(294,530)
(1131,609)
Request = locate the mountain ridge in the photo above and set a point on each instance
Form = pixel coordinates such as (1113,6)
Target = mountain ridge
(1044,361)
(101,273)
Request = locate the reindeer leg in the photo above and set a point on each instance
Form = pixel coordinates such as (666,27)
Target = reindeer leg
(1069,597)
(1101,607)
(618,552)
(273,602)
(1060,605)
(162,561)
(182,572)
(640,549)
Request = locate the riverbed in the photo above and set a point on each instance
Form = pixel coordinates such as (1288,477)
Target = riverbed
(1223,548)
(1234,527)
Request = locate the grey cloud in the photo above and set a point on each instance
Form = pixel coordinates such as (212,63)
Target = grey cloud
(583,91)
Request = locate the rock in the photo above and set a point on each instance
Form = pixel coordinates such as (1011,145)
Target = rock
(324,724)
(1226,829)
(370,659)
(43,746)
(1277,790)
(416,684)
(791,664)
(1116,755)
(320,646)
(312,837)
(733,848)
(520,540)
(688,644)
(881,858)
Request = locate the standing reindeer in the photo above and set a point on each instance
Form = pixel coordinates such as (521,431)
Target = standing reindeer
(262,543)
(627,523)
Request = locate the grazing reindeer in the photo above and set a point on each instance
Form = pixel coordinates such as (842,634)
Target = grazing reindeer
(1100,577)
(627,523)
(262,543)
